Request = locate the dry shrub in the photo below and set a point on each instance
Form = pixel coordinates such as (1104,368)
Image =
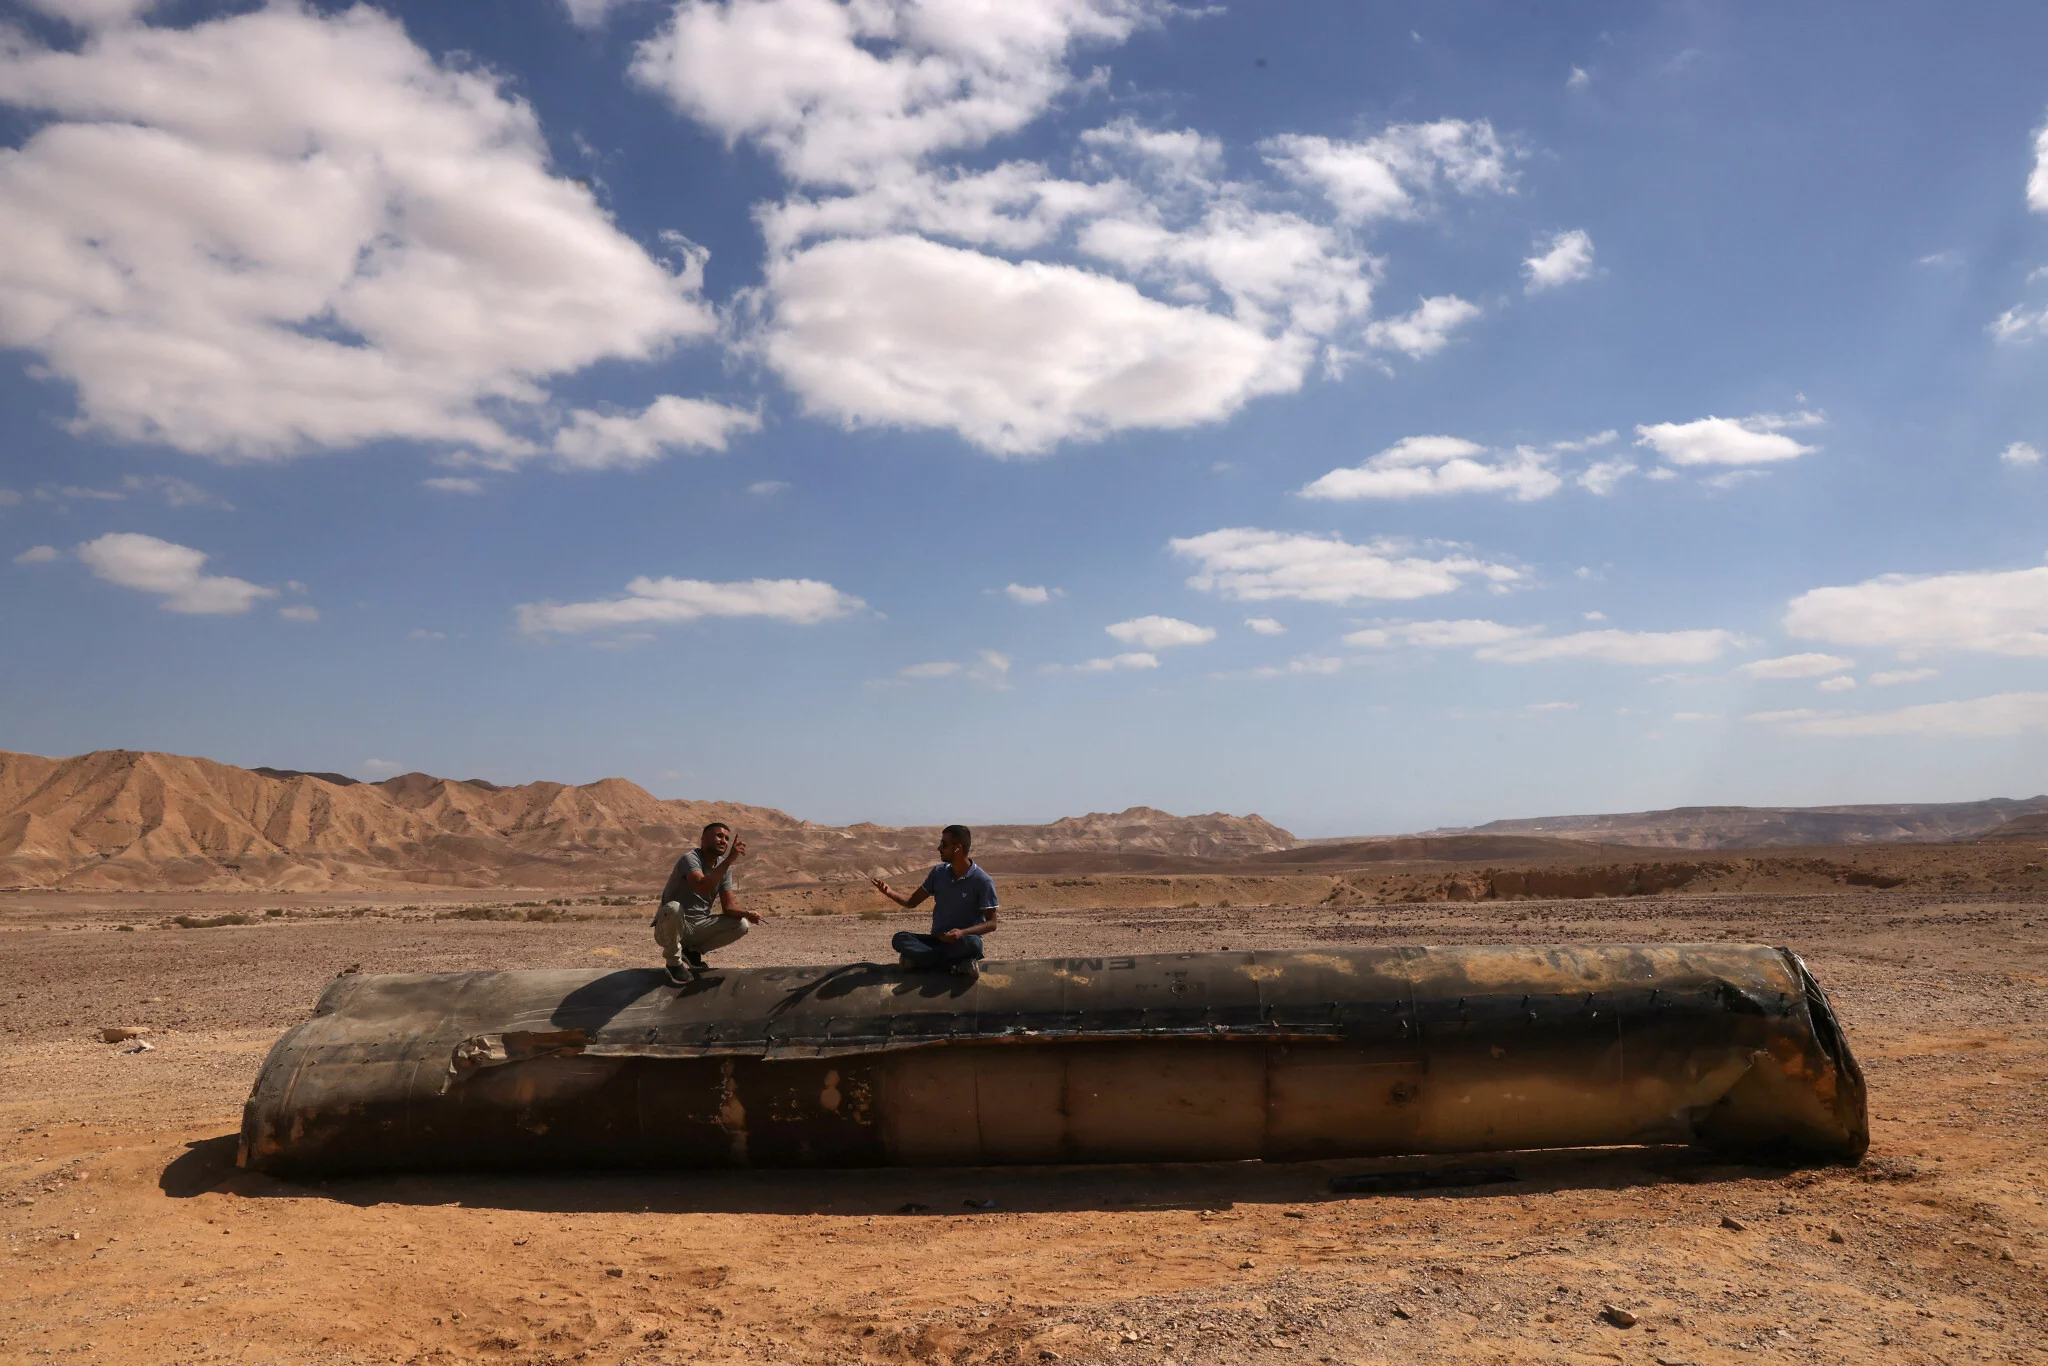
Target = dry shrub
(208,922)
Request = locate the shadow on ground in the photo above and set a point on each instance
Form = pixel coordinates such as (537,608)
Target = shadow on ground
(208,1165)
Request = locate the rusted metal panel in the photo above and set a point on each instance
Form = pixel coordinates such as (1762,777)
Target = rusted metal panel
(1155,1057)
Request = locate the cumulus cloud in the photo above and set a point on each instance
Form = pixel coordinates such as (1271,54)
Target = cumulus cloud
(172,571)
(1578,80)
(1892,678)
(987,667)
(1998,613)
(1395,174)
(1017,357)
(798,602)
(2019,324)
(1438,635)
(2012,713)
(299,612)
(610,441)
(1602,477)
(1028,595)
(768,488)
(1159,633)
(284,231)
(1614,647)
(39,554)
(1299,666)
(453,483)
(892,295)
(1796,666)
(2037,181)
(94,13)
(1136,659)
(1755,440)
(2020,455)
(1568,259)
(1432,466)
(1427,330)
(1265,626)
(1253,565)
(1844,683)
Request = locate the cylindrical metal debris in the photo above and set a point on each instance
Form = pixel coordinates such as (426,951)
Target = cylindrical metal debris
(1343,1052)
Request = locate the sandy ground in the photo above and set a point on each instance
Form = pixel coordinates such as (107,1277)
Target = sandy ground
(131,1238)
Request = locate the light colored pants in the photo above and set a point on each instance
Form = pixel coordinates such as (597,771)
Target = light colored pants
(678,933)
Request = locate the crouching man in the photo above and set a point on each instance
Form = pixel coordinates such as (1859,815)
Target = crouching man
(964,909)
(697,911)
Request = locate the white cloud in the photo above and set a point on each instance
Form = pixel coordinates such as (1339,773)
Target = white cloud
(39,554)
(176,492)
(1603,476)
(2037,181)
(1578,80)
(1133,660)
(92,14)
(450,483)
(592,14)
(2019,324)
(798,602)
(299,612)
(768,488)
(1796,666)
(1252,565)
(1265,626)
(1159,633)
(383,766)
(1395,174)
(1569,258)
(936,669)
(991,668)
(1431,466)
(1028,595)
(173,571)
(1614,647)
(1427,330)
(2011,713)
(283,231)
(1844,683)
(840,93)
(1891,678)
(602,441)
(1988,613)
(1017,357)
(1755,440)
(1438,635)
(1299,666)
(2020,455)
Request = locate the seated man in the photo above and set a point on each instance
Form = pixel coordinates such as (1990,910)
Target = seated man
(688,923)
(963,909)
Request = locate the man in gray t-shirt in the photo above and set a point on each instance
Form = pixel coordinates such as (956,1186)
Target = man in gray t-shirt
(697,910)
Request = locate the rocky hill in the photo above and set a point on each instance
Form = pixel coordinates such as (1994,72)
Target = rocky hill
(1763,827)
(126,819)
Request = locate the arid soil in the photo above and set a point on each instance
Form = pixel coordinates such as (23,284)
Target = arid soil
(131,1238)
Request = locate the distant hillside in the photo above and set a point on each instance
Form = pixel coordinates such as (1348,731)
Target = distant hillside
(140,820)
(1763,827)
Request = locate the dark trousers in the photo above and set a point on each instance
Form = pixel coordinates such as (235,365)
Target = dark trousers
(930,951)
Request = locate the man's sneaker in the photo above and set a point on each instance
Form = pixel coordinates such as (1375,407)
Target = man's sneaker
(695,960)
(680,975)
(967,967)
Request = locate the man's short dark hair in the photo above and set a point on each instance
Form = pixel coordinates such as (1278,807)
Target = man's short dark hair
(959,834)
(714,825)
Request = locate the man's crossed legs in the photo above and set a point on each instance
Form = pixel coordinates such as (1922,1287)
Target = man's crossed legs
(929,953)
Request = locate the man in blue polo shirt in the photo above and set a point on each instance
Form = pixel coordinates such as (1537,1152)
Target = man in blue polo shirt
(963,901)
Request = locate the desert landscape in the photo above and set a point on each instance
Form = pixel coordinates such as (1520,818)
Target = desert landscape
(133,1237)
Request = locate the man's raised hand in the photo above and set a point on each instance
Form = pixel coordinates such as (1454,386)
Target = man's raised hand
(738,847)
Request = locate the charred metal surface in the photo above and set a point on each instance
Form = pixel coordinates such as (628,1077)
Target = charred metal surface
(1155,1057)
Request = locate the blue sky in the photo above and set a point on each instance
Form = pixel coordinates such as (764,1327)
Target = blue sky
(1377,417)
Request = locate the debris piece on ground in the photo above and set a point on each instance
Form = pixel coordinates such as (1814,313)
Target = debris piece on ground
(1730,1221)
(1618,1316)
(122,1033)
